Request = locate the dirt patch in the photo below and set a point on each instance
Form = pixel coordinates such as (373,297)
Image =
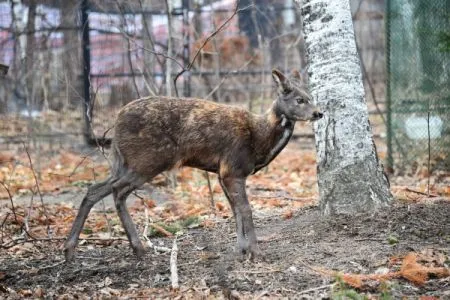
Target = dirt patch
(293,249)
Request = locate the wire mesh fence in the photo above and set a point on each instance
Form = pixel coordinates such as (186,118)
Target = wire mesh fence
(73,64)
(76,62)
(418,45)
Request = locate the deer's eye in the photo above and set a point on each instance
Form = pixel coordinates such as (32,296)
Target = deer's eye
(301,101)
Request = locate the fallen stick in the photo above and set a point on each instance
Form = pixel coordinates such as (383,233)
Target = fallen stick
(149,242)
(420,193)
(257,271)
(23,240)
(156,248)
(173,265)
(52,266)
(322,287)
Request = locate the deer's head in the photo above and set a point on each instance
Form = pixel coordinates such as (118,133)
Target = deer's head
(293,101)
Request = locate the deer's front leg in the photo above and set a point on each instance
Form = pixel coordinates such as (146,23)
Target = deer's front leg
(234,189)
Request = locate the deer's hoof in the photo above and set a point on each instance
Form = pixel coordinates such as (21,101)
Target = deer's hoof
(139,252)
(255,253)
(249,250)
(69,253)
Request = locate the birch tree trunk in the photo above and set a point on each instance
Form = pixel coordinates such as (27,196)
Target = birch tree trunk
(350,177)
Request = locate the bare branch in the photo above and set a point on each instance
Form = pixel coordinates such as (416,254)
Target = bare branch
(159,54)
(213,34)
(38,190)
(225,77)
(10,199)
(130,62)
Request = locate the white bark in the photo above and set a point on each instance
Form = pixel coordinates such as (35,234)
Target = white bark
(20,22)
(351,179)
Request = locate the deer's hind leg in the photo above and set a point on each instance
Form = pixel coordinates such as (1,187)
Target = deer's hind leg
(94,194)
(121,190)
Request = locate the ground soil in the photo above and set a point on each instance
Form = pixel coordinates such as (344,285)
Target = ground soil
(293,251)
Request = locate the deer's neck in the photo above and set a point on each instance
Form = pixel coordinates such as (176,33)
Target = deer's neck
(270,130)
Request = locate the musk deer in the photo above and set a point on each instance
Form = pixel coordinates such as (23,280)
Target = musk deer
(155,134)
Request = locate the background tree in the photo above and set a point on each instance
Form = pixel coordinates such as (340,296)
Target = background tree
(350,176)
(71,60)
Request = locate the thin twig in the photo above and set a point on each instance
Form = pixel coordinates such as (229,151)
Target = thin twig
(83,158)
(421,193)
(159,54)
(147,31)
(371,88)
(285,198)
(22,240)
(3,224)
(322,287)
(213,34)
(130,61)
(145,236)
(52,266)
(39,191)
(28,234)
(225,77)
(10,199)
(257,272)
(99,147)
(30,207)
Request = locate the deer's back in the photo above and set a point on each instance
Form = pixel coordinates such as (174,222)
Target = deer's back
(158,133)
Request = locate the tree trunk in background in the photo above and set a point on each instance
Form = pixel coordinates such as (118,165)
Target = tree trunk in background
(169,49)
(350,177)
(71,59)
(30,71)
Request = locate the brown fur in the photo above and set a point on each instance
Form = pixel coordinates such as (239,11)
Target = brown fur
(155,134)
(194,133)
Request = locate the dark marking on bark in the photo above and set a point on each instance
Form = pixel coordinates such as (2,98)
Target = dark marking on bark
(326,19)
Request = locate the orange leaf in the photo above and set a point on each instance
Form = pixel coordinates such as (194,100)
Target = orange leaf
(161,230)
(417,273)
(353,280)
(220,206)
(208,223)
(288,214)
(149,203)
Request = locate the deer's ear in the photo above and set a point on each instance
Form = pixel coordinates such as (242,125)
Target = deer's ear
(281,81)
(296,74)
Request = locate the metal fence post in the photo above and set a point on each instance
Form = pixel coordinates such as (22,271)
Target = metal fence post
(87,107)
(390,160)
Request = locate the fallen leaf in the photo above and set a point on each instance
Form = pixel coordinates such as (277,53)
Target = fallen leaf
(288,214)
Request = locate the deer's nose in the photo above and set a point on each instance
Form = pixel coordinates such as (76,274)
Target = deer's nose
(317,114)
